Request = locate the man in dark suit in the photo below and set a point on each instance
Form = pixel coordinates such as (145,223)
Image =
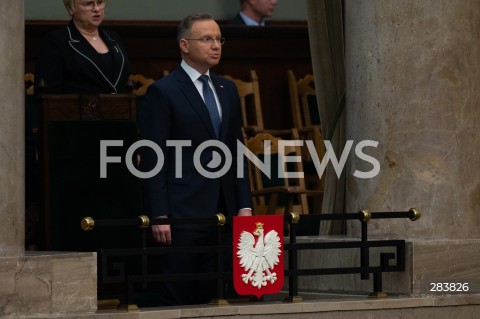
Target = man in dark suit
(254,12)
(180,108)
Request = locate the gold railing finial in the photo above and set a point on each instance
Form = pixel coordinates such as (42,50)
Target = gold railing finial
(221,219)
(415,214)
(295,217)
(144,221)
(87,223)
(366,215)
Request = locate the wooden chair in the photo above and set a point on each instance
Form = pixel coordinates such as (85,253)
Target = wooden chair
(29,83)
(303,100)
(140,84)
(277,194)
(31,109)
(249,92)
(306,119)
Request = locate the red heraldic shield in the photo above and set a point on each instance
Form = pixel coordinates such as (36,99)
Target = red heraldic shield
(258,267)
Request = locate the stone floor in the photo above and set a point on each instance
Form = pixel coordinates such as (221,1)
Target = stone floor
(462,306)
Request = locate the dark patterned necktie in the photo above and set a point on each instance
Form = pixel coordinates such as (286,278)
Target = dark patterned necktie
(211,104)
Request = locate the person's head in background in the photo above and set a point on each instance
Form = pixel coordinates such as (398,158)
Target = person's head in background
(258,10)
(86,14)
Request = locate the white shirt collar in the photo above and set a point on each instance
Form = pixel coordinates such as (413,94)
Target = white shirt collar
(192,73)
(250,22)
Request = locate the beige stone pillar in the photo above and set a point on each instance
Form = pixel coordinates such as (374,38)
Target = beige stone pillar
(11,128)
(413,85)
(41,284)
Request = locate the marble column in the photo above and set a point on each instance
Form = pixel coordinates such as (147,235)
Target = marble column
(12,166)
(413,85)
(42,284)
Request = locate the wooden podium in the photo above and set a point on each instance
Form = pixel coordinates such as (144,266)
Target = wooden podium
(71,127)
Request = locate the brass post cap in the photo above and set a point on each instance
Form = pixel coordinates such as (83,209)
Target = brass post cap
(87,223)
(366,215)
(295,217)
(415,214)
(221,219)
(144,221)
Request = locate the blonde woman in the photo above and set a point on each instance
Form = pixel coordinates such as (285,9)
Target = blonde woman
(83,57)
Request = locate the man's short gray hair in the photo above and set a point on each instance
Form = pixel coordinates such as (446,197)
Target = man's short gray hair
(186,24)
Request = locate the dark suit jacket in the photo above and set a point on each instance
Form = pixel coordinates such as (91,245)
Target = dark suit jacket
(237,20)
(174,110)
(69,64)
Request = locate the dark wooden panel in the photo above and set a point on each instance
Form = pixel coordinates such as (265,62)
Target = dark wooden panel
(152,48)
(71,128)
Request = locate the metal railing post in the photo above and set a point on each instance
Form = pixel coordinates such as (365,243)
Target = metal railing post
(293,219)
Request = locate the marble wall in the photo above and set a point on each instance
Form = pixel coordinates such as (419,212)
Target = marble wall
(11,128)
(45,284)
(48,284)
(427,262)
(413,85)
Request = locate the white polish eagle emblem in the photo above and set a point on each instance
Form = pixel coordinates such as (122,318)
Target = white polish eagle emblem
(259,257)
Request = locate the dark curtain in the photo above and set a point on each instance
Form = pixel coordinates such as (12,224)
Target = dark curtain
(325,25)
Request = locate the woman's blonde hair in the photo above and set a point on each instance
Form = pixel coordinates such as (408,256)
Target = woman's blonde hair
(70,4)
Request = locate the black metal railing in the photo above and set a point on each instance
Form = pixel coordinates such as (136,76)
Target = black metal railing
(114,270)
(363,244)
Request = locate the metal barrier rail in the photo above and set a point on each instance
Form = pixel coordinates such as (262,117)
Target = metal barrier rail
(364,269)
(143,222)
(363,244)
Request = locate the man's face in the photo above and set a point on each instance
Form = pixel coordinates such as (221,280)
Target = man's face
(198,53)
(264,8)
